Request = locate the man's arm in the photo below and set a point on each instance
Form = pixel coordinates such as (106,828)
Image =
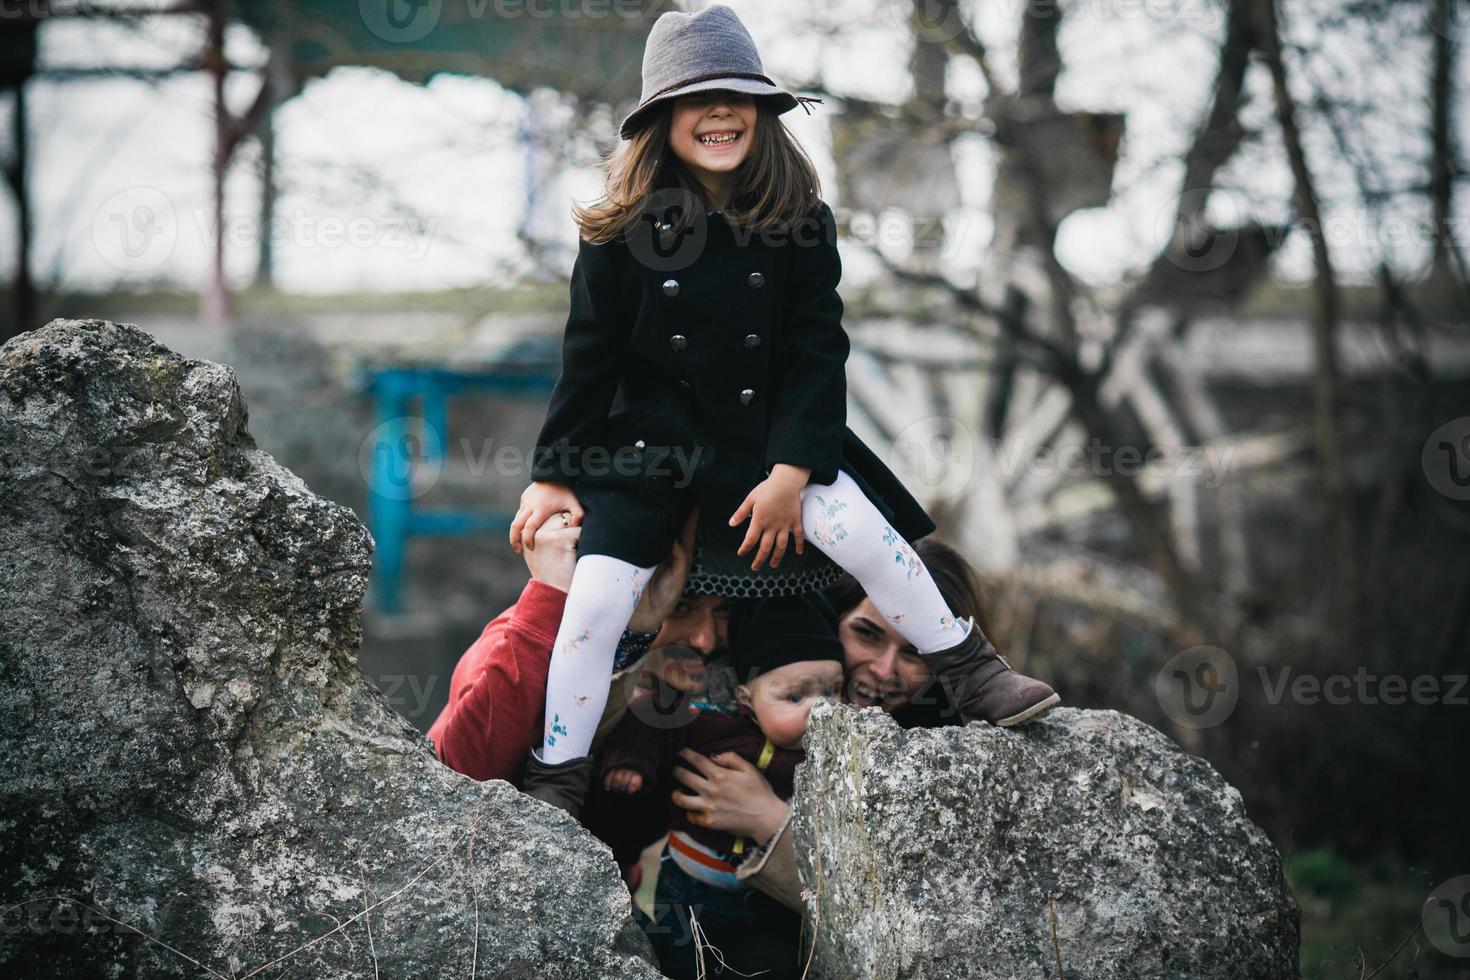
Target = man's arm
(498,693)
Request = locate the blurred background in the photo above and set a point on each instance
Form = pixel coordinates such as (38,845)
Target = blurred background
(1161,308)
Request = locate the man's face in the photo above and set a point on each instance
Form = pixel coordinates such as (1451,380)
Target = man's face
(883,668)
(697,622)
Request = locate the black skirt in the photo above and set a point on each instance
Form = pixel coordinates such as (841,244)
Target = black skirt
(635,508)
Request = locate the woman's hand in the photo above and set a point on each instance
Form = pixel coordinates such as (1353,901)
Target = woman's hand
(774,509)
(666,587)
(728,793)
(538,502)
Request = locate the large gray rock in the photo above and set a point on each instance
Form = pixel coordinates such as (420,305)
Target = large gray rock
(942,853)
(186,744)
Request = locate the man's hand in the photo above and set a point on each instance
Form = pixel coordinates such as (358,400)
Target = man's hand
(774,509)
(666,587)
(553,559)
(538,502)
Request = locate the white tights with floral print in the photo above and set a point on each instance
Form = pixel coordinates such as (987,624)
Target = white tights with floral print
(838,518)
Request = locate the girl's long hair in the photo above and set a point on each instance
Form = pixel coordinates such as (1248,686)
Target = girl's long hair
(774,186)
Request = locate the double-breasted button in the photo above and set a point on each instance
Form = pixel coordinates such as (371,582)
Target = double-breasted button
(671,287)
(756,280)
(678,341)
(684,383)
(746,395)
(638,444)
(752,341)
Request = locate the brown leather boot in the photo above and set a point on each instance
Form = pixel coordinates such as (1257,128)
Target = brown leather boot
(563,785)
(984,687)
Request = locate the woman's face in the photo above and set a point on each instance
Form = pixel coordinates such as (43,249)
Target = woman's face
(717,114)
(883,668)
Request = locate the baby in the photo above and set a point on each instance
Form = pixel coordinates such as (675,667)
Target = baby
(785,653)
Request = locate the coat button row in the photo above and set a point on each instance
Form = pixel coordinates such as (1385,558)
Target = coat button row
(680,342)
(756,280)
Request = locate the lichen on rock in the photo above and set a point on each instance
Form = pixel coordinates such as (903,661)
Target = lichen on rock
(985,852)
(188,752)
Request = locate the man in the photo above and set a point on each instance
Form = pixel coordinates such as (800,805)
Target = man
(497,695)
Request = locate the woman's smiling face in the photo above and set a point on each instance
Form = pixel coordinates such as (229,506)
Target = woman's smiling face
(883,668)
(712,132)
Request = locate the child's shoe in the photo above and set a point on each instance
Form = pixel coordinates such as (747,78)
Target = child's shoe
(984,687)
(563,785)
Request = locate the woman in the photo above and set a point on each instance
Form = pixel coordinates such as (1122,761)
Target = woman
(882,669)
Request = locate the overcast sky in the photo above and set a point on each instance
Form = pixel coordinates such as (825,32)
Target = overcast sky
(388,185)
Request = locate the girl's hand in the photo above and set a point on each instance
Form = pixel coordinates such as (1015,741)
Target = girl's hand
(538,502)
(622,781)
(774,509)
(728,793)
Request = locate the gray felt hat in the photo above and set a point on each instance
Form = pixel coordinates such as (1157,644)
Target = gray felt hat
(696,52)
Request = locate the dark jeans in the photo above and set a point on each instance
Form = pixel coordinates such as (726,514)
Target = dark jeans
(751,930)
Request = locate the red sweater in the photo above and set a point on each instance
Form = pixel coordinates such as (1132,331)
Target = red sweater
(497,697)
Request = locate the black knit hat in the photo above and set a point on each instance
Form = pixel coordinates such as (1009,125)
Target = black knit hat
(772,632)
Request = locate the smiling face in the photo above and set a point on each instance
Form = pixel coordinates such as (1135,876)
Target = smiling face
(783,698)
(883,668)
(711,133)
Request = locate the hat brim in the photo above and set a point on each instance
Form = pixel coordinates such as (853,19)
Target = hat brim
(783,100)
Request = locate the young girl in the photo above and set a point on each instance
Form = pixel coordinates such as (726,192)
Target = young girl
(704,362)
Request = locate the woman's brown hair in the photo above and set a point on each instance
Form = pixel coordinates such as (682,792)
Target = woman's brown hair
(954,576)
(774,186)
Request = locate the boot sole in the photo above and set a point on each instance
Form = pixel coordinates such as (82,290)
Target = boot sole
(1035,711)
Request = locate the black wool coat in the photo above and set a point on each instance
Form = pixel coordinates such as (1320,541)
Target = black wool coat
(715,333)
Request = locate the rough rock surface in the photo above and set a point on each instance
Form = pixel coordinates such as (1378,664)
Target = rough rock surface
(932,853)
(186,744)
